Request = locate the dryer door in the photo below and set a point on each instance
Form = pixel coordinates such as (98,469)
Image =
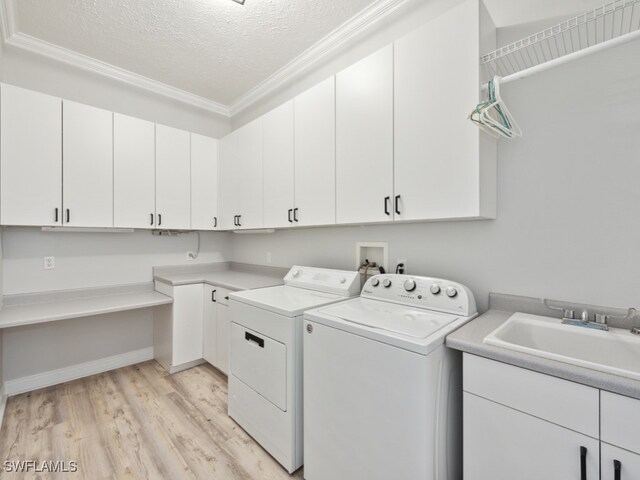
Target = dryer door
(261,363)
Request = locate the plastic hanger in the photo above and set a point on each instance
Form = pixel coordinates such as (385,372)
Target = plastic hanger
(493,116)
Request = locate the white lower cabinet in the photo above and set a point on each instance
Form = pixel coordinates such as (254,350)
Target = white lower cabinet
(619,464)
(501,443)
(620,435)
(177,330)
(520,424)
(215,340)
(223,338)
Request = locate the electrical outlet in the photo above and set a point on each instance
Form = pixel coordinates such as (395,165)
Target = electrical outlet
(49,263)
(268,257)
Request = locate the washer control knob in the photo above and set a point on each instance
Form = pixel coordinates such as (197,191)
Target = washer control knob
(343,280)
(435,289)
(410,285)
(386,283)
(296,273)
(451,292)
(375,282)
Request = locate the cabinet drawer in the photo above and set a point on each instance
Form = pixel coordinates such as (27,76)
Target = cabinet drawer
(620,421)
(222,295)
(562,402)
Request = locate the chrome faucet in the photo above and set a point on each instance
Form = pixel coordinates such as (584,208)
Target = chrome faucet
(599,321)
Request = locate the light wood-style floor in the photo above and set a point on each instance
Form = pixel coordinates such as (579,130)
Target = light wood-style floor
(136,422)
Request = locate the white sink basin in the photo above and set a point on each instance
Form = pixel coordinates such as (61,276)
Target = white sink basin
(616,351)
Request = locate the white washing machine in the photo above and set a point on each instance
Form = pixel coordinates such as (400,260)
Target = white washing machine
(382,393)
(265,378)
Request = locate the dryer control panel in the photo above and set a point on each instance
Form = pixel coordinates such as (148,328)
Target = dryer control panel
(340,282)
(423,292)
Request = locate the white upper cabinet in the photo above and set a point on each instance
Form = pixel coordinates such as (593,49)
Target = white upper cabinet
(315,155)
(204,183)
(134,177)
(248,175)
(87,146)
(173,178)
(364,139)
(228,193)
(443,166)
(31,151)
(278,166)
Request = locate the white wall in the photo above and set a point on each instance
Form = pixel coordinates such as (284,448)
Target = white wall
(98,259)
(568,223)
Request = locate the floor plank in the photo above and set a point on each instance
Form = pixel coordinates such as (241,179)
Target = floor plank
(136,422)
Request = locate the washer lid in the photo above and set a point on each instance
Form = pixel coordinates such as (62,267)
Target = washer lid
(411,322)
(285,300)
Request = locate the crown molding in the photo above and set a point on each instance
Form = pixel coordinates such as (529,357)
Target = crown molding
(12,37)
(357,25)
(32,44)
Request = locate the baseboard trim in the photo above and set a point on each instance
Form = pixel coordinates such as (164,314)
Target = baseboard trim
(73,372)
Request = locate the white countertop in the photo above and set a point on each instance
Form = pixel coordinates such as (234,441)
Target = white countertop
(243,277)
(91,302)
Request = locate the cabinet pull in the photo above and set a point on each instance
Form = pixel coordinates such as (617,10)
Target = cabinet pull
(151,215)
(239,218)
(397,204)
(249,337)
(56,215)
(159,219)
(295,214)
(68,216)
(235,220)
(583,463)
(213,295)
(215,222)
(386,205)
(226,298)
(617,470)
(289,215)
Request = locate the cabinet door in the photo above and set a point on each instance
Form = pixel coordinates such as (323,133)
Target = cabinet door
(278,165)
(31,158)
(87,152)
(134,172)
(438,163)
(364,140)
(187,323)
(209,324)
(249,175)
(504,444)
(173,178)
(619,464)
(204,182)
(229,191)
(223,338)
(315,154)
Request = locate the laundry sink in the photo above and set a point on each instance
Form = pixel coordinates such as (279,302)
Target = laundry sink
(615,351)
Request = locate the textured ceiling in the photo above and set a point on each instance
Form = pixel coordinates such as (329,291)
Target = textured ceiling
(216,49)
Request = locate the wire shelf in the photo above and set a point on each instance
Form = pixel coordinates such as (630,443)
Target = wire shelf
(594,27)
